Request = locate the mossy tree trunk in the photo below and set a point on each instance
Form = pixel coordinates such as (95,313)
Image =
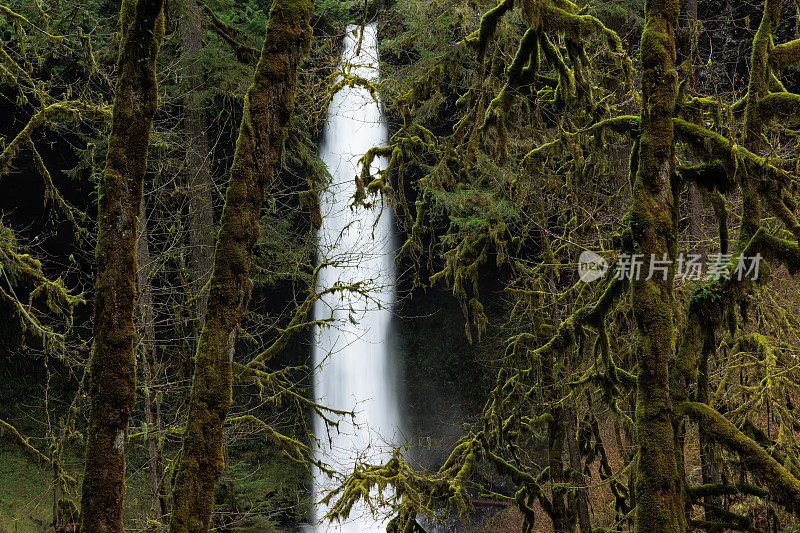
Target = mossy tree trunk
(267,108)
(757,88)
(113,363)
(659,501)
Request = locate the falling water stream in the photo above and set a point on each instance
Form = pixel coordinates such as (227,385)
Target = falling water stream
(353,363)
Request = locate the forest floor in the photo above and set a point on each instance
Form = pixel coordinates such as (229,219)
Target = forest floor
(26,494)
(258,493)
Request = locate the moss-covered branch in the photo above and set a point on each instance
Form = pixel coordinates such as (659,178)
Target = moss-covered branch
(70,109)
(720,489)
(782,485)
(298,321)
(785,54)
(712,146)
(52,193)
(244,52)
(621,125)
(31,451)
(782,104)
(290,447)
(19,19)
(489,23)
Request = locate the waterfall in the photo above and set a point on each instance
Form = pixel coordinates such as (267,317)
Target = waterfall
(353,366)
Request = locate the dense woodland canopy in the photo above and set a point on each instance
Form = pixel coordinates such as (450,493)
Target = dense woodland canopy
(159,191)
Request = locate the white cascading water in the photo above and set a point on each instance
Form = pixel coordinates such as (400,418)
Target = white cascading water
(353,366)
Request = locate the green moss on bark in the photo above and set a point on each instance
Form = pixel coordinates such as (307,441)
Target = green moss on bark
(659,501)
(782,485)
(268,106)
(113,363)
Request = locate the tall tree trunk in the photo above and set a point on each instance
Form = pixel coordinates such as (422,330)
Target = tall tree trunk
(147,343)
(555,454)
(577,479)
(201,215)
(690,54)
(267,109)
(113,363)
(757,88)
(659,501)
(710,474)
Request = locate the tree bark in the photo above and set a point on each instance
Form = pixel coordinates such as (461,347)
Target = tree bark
(757,88)
(555,452)
(147,343)
(659,501)
(710,474)
(695,199)
(201,215)
(113,363)
(577,479)
(267,109)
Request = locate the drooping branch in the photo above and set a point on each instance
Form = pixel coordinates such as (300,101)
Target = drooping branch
(69,109)
(282,386)
(33,452)
(19,19)
(18,71)
(52,193)
(528,52)
(292,448)
(299,322)
(782,485)
(621,125)
(244,52)
(590,315)
(578,27)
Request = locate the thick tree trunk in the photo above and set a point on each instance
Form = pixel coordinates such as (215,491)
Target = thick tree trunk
(659,501)
(113,363)
(268,106)
(201,215)
(147,343)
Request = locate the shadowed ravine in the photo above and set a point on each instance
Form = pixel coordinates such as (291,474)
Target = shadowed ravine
(353,366)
